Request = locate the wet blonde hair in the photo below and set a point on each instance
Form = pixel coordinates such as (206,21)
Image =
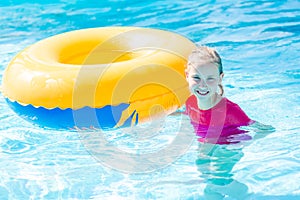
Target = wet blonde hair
(205,55)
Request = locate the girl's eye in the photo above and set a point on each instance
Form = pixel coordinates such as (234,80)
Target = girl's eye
(210,79)
(196,78)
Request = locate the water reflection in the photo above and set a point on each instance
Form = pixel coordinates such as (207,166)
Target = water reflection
(215,163)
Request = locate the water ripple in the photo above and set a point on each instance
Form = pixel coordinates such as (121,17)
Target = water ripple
(259,42)
(15,147)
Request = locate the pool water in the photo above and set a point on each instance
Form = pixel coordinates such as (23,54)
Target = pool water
(260,45)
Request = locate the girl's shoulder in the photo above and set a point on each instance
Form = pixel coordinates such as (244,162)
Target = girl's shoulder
(234,111)
(232,105)
(191,99)
(191,102)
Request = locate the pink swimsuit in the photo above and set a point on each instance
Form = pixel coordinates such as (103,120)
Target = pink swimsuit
(220,123)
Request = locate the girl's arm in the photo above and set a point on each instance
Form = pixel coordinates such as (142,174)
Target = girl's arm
(261,130)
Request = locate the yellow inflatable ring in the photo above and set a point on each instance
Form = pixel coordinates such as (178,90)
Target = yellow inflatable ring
(100,77)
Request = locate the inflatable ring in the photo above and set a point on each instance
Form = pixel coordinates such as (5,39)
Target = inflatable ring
(99,78)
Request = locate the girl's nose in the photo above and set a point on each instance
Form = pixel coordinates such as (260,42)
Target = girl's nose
(202,83)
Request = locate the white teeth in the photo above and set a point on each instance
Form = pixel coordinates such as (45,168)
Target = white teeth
(202,92)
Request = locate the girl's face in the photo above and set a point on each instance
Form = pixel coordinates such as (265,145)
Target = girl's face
(203,80)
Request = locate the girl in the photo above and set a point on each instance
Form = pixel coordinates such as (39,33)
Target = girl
(215,118)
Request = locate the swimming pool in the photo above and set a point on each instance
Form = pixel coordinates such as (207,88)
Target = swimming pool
(259,42)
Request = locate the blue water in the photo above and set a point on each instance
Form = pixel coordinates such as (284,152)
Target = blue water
(260,45)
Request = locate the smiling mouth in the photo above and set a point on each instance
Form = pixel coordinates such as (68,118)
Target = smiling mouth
(202,93)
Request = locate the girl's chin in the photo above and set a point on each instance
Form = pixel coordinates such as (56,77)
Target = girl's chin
(203,97)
